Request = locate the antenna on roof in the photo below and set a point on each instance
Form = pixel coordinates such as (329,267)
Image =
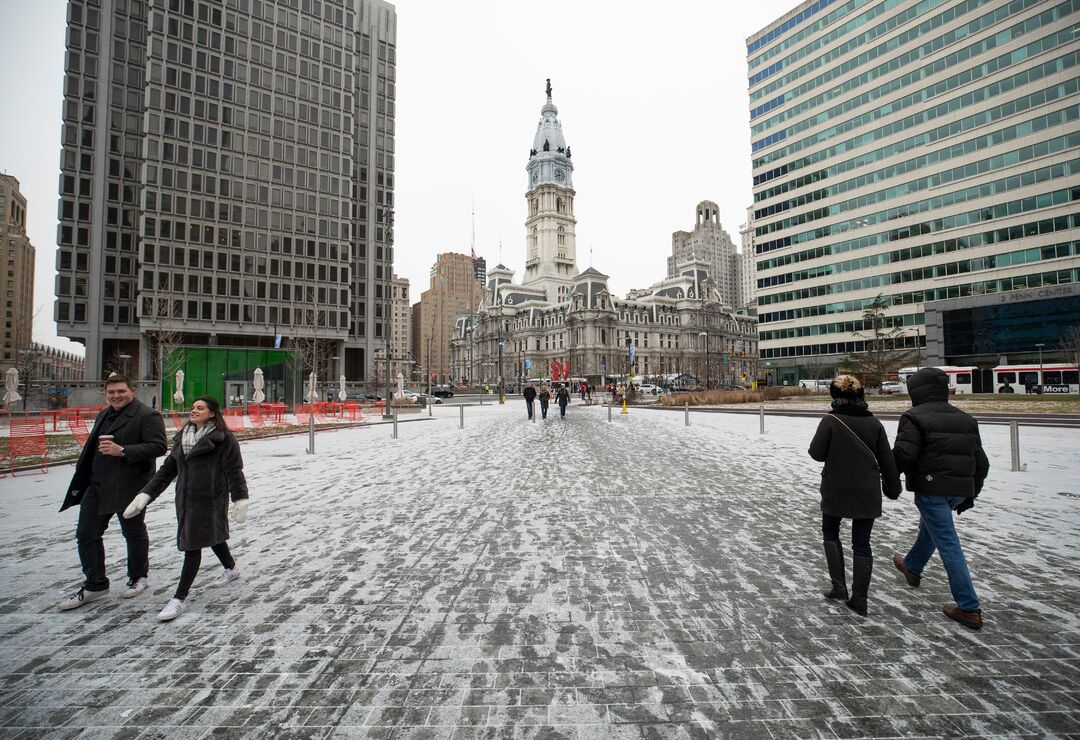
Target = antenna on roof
(590,254)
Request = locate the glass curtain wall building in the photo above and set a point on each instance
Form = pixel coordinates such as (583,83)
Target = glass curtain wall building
(226,178)
(919,150)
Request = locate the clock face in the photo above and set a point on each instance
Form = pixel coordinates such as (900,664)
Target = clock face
(560,175)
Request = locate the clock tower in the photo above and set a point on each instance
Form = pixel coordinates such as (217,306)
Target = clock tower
(551,250)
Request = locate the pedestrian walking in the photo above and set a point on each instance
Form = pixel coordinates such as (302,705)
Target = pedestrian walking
(118,459)
(545,398)
(859,465)
(530,396)
(940,453)
(562,398)
(582,389)
(206,464)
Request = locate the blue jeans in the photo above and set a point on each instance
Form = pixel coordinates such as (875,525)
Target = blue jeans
(937,531)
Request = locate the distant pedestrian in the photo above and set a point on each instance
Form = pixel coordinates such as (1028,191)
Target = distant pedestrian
(205,462)
(117,460)
(940,453)
(858,466)
(545,398)
(583,389)
(589,389)
(562,398)
(530,395)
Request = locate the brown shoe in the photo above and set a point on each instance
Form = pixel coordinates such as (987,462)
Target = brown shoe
(912,579)
(972,620)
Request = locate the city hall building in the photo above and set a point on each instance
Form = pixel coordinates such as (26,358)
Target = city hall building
(559,321)
(920,151)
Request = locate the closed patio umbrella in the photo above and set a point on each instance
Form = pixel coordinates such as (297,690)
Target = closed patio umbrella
(341,394)
(11,387)
(178,397)
(312,392)
(258,396)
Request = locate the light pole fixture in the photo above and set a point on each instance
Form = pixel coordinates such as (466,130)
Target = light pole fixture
(502,398)
(1039,346)
(124,359)
(386,404)
(705,341)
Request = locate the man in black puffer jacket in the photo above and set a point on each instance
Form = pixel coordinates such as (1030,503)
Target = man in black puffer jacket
(939,451)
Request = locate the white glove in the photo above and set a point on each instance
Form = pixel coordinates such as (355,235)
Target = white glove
(137,505)
(239,510)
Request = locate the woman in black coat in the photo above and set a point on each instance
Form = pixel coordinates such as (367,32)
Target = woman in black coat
(563,398)
(858,466)
(206,464)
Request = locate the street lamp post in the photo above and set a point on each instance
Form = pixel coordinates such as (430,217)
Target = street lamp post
(124,359)
(705,340)
(386,404)
(1039,346)
(502,398)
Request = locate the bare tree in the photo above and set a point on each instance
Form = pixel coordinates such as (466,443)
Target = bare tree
(165,337)
(1069,345)
(312,351)
(884,351)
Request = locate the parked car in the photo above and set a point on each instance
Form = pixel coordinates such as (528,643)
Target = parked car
(421,397)
(893,387)
(648,389)
(443,391)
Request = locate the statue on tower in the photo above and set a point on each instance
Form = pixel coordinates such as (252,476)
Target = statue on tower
(549,88)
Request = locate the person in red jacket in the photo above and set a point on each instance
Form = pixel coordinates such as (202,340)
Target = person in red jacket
(940,453)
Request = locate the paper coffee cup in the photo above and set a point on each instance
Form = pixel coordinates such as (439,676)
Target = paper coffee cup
(105,437)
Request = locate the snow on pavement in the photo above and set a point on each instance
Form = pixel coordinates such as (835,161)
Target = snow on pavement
(570,578)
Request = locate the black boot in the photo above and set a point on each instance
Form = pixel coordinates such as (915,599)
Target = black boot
(861,569)
(834,557)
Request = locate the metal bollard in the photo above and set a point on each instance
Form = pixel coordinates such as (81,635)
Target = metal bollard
(687,411)
(311,435)
(430,406)
(762,412)
(461,422)
(609,412)
(534,413)
(395,423)
(1014,444)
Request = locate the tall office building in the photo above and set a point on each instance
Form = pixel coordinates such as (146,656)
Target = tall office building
(227,177)
(16,331)
(453,289)
(747,263)
(401,328)
(917,150)
(711,243)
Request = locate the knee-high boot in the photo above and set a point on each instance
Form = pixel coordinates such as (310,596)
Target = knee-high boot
(834,557)
(861,570)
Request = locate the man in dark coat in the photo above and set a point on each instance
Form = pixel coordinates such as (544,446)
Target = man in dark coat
(530,395)
(939,451)
(117,460)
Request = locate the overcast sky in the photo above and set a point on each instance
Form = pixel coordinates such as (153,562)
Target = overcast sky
(652,99)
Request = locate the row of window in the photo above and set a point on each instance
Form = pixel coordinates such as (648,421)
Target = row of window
(825,39)
(1021,282)
(985,213)
(1047,147)
(989,262)
(944,246)
(904,41)
(974,98)
(923,139)
(950,61)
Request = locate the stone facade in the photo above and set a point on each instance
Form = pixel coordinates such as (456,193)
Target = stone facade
(453,290)
(559,319)
(712,244)
(17,311)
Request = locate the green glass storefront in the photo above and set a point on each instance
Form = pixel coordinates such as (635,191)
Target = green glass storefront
(228,373)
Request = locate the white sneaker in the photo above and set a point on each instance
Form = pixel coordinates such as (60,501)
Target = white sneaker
(82,596)
(227,576)
(171,611)
(136,587)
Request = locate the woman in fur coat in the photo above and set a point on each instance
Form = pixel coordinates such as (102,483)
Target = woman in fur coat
(205,462)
